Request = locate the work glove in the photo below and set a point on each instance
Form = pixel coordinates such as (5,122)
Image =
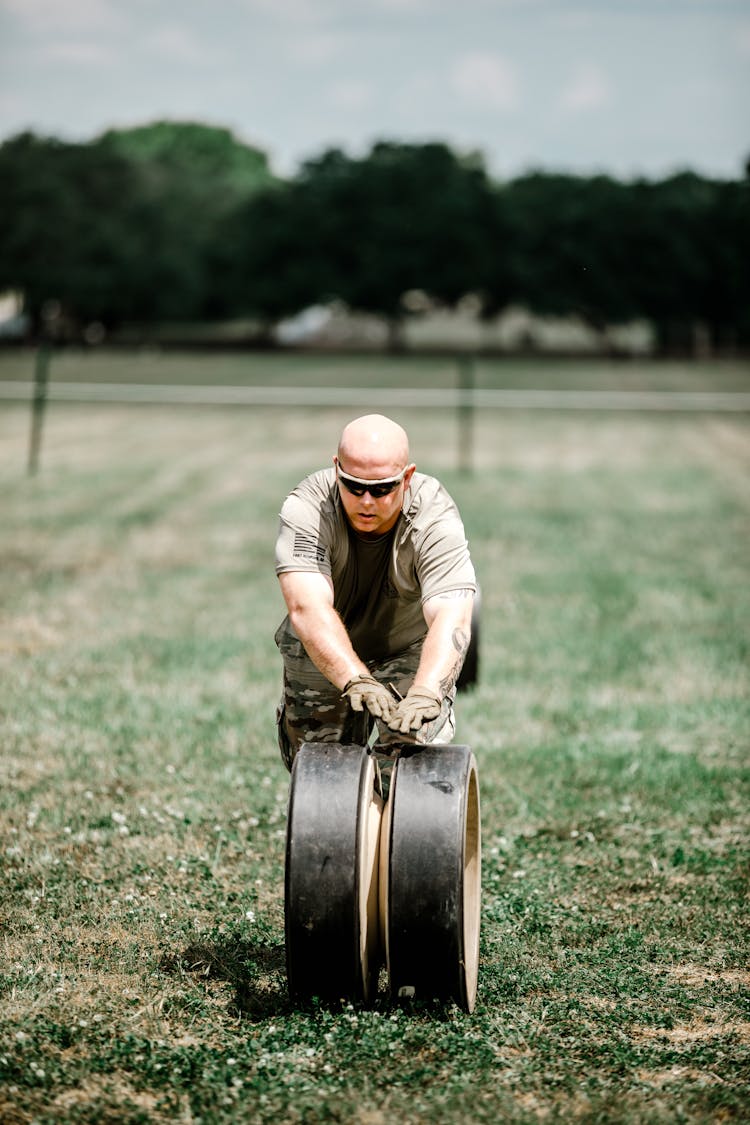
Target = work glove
(418,706)
(365,691)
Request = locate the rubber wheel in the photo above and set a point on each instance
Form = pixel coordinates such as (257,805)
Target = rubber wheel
(331,903)
(433,893)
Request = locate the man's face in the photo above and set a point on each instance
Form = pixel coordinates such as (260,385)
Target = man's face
(367,513)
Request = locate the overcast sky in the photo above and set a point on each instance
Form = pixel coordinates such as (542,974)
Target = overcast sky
(636,87)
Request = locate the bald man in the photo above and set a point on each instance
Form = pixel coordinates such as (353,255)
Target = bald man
(379,586)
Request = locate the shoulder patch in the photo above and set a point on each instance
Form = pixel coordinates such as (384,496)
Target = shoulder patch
(306,547)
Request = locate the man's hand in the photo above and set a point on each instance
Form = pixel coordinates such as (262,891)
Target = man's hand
(365,691)
(418,706)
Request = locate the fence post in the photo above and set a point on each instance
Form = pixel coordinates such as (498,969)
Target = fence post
(466,414)
(41,378)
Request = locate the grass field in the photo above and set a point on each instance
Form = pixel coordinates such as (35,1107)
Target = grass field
(142,798)
(289,368)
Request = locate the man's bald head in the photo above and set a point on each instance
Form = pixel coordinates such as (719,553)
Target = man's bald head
(373,447)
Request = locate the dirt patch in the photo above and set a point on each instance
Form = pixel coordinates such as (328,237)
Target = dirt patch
(371,1117)
(110,1096)
(27,634)
(10,1114)
(678,1074)
(697,976)
(530,1103)
(696,1032)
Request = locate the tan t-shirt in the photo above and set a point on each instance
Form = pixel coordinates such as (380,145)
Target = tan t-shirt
(379,585)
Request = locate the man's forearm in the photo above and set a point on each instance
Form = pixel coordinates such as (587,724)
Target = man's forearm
(443,651)
(327,643)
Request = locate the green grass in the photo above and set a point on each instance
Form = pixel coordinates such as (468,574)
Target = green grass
(142,798)
(289,368)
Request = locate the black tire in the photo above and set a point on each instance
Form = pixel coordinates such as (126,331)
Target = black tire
(432,908)
(331,907)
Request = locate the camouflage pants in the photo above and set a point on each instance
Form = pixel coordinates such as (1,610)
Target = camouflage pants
(312,709)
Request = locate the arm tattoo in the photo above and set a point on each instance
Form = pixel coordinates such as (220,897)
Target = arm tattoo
(460,641)
(461,644)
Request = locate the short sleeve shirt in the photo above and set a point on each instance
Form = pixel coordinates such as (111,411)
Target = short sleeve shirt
(379,585)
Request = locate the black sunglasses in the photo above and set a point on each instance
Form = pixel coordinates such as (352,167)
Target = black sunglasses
(376,488)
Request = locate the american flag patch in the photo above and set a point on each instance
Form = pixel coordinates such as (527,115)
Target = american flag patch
(305,547)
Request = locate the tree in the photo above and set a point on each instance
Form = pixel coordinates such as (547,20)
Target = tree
(724,294)
(365,232)
(567,246)
(670,248)
(269,267)
(65,226)
(193,177)
(406,217)
(123,228)
(210,162)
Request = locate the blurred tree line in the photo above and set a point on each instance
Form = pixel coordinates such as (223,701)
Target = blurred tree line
(182,222)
